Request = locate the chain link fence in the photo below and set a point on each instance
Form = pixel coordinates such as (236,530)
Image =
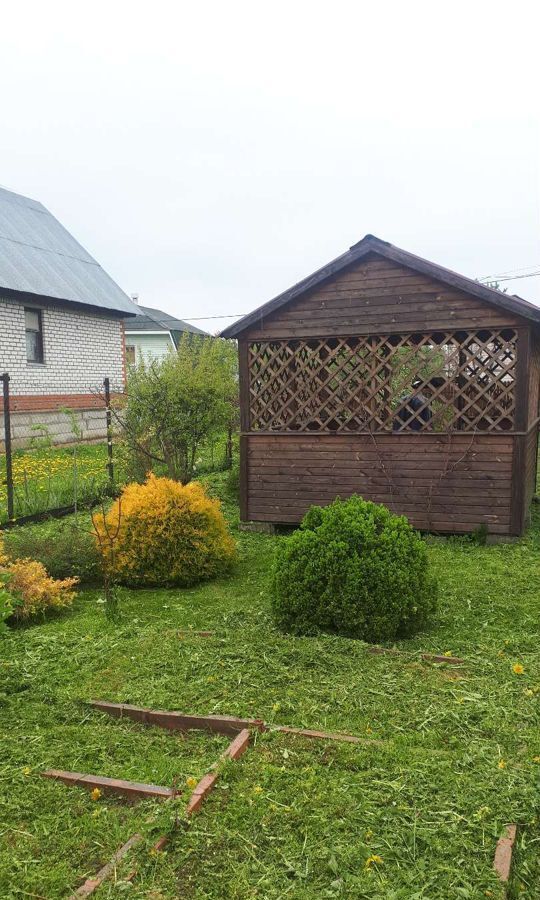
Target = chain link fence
(55,458)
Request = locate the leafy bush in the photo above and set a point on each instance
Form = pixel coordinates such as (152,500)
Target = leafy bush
(356,569)
(31,589)
(177,403)
(164,533)
(66,547)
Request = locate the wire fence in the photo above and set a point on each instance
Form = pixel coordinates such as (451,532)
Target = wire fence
(54,458)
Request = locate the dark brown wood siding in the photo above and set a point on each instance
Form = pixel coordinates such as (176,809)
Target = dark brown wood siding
(530,454)
(446,483)
(377,296)
(534,379)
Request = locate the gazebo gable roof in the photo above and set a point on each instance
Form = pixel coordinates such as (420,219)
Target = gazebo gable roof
(373,246)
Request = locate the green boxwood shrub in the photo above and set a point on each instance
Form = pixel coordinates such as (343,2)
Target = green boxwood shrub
(356,569)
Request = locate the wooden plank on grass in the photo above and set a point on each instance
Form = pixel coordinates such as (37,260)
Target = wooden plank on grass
(428,657)
(327,735)
(177,721)
(203,788)
(91,884)
(502,862)
(110,785)
(239,746)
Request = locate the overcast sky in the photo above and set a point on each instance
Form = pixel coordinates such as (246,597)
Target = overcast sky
(209,155)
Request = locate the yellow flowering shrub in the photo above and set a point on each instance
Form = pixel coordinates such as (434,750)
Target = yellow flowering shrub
(164,533)
(32,589)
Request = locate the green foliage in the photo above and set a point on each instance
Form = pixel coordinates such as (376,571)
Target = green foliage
(233,481)
(356,569)
(297,818)
(66,548)
(177,403)
(47,477)
(6,602)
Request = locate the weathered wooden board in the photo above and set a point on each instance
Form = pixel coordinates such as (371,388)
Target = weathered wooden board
(176,721)
(374,296)
(441,484)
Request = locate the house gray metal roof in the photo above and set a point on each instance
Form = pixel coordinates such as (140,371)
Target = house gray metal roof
(39,257)
(368,246)
(150,319)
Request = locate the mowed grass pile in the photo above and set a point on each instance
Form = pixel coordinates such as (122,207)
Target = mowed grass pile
(416,816)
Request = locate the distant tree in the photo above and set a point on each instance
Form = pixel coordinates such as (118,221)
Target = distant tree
(180,401)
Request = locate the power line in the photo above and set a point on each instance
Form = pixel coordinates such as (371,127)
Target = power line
(510,277)
(200,318)
(508,272)
(503,276)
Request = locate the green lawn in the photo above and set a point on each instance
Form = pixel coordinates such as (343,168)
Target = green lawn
(52,477)
(297,819)
(49,477)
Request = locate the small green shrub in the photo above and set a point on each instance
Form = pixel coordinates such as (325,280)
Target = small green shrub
(356,569)
(67,549)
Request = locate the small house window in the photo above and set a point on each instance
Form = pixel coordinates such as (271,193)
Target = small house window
(130,354)
(33,323)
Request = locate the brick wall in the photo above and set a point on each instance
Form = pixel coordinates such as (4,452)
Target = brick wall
(80,349)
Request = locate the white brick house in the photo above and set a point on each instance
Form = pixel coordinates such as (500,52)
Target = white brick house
(61,323)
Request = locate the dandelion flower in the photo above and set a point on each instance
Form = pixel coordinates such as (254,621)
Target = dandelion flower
(27,770)
(257,789)
(191,782)
(518,669)
(502,764)
(96,794)
(374,859)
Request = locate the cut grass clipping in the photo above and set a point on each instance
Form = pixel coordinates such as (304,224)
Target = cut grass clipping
(419,816)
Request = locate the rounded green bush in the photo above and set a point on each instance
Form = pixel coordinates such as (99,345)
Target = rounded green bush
(356,569)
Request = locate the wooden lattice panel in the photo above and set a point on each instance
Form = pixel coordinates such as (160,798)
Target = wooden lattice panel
(443,381)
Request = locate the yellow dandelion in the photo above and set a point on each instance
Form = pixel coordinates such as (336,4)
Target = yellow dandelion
(96,794)
(257,789)
(27,770)
(502,764)
(368,835)
(518,669)
(191,782)
(374,859)
(448,653)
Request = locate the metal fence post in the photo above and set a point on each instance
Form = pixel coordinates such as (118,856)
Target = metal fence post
(7,442)
(108,416)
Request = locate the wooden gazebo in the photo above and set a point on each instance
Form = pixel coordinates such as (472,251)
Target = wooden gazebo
(385,375)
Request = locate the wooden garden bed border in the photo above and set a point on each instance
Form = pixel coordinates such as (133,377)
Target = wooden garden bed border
(234,751)
(177,721)
(502,862)
(427,657)
(92,884)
